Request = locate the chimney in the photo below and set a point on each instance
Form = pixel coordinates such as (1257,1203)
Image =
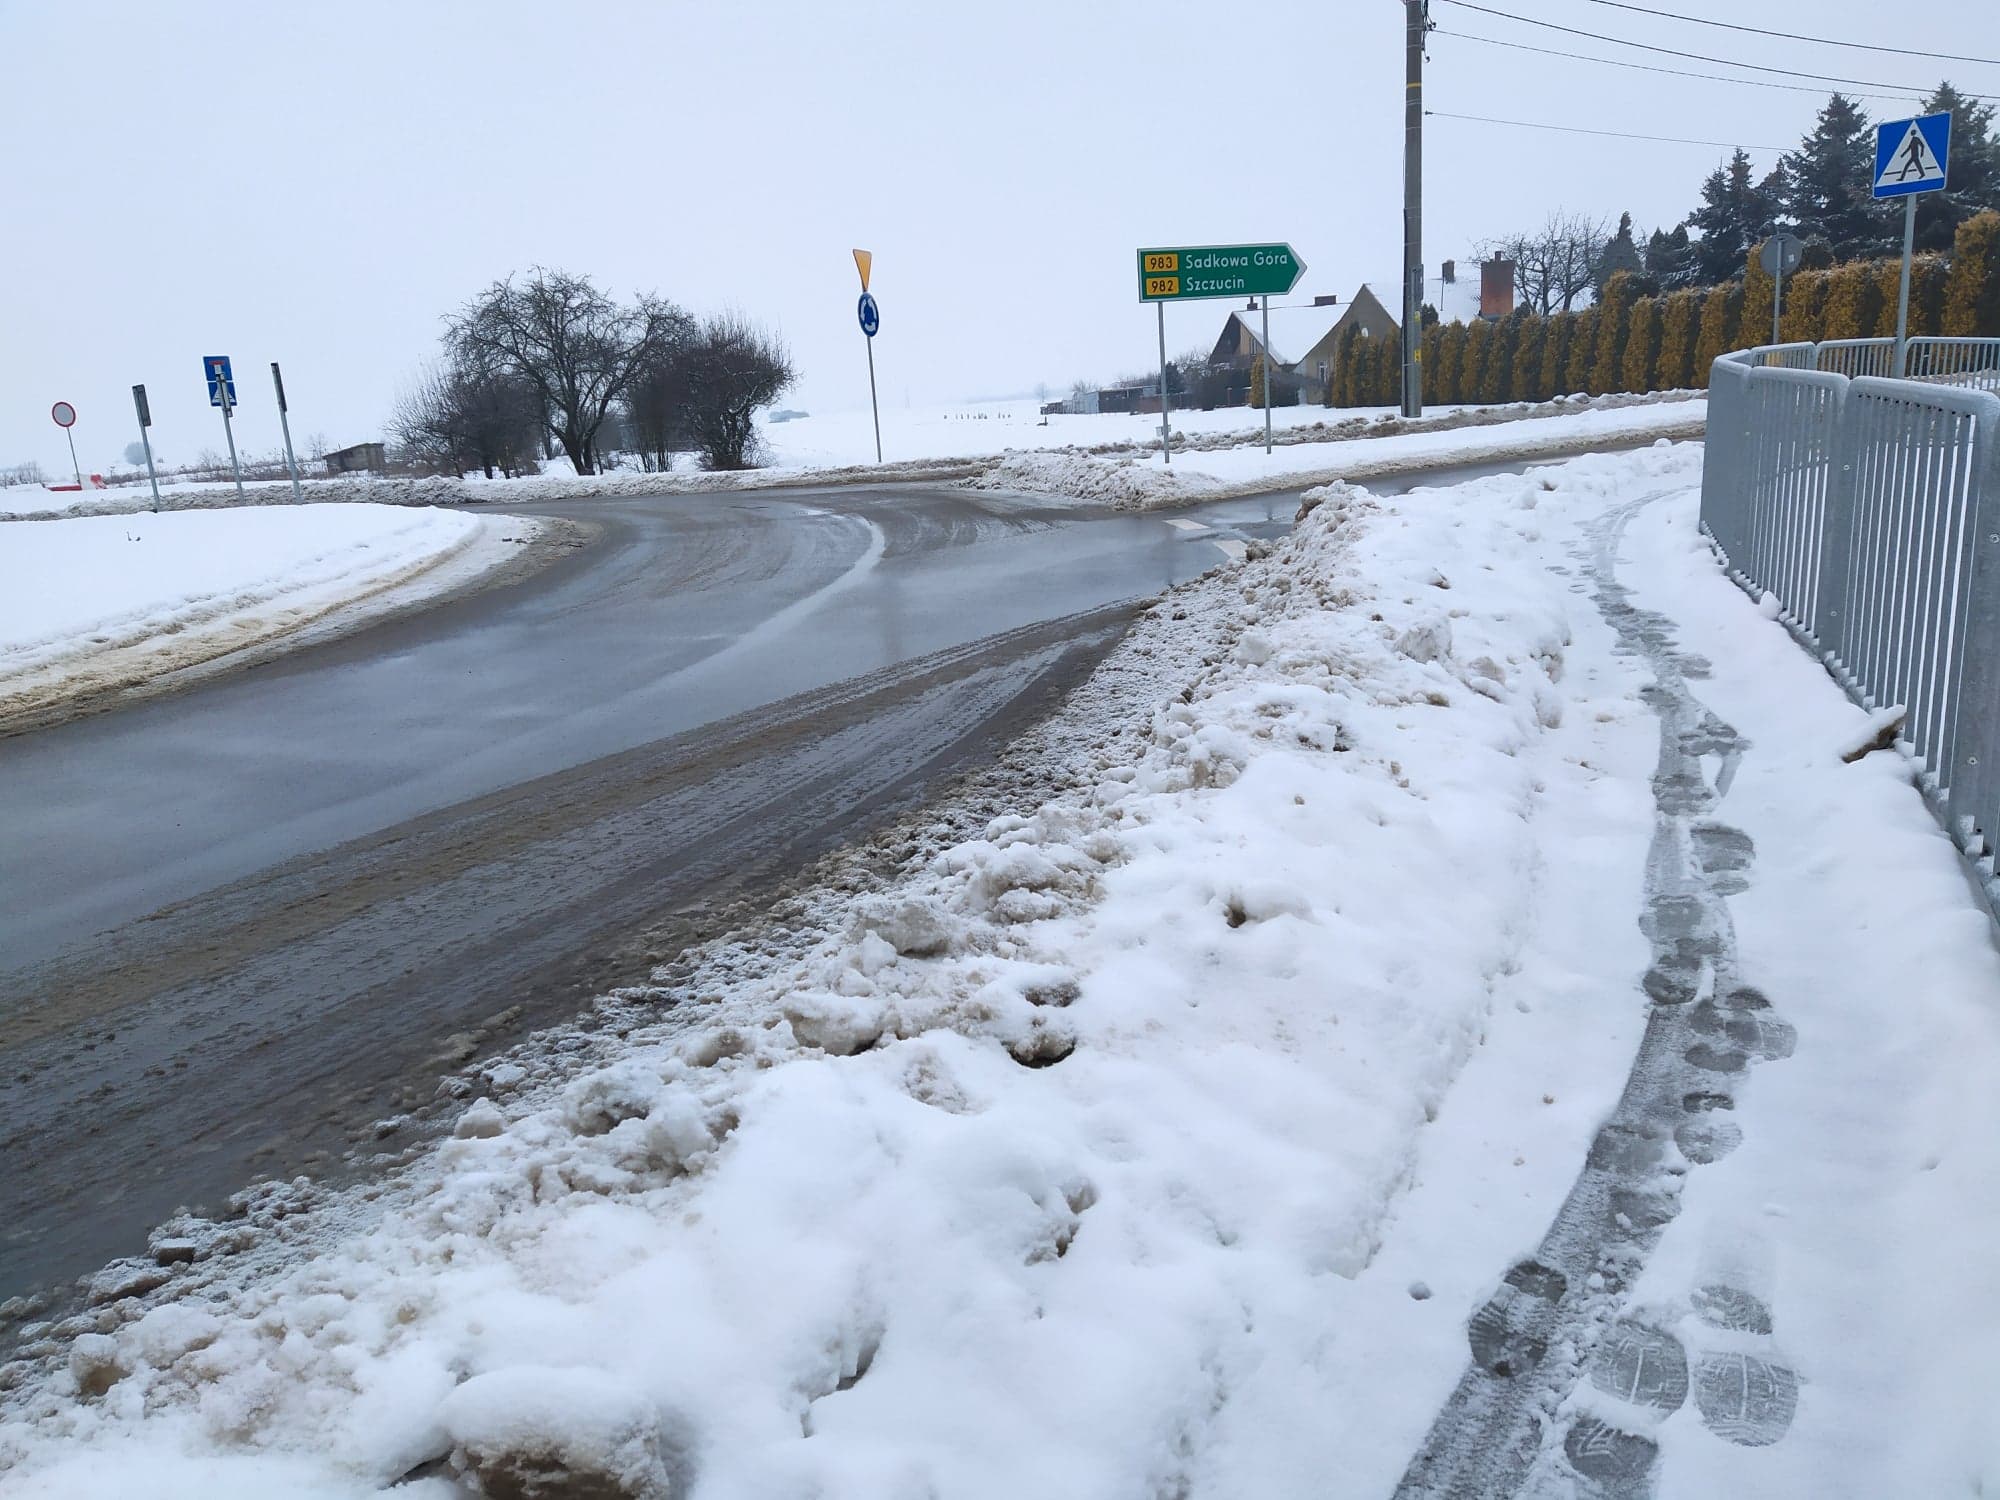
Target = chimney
(1450,273)
(1496,287)
(1326,300)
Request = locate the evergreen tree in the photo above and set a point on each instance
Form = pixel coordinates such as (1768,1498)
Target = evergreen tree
(1721,317)
(1853,301)
(1555,355)
(1642,346)
(1620,253)
(1257,381)
(1758,290)
(1680,325)
(1735,214)
(1829,182)
(1974,182)
(1972,295)
(1671,260)
(1451,366)
(1614,324)
(1528,351)
(1389,371)
(1472,373)
(1582,351)
(1498,377)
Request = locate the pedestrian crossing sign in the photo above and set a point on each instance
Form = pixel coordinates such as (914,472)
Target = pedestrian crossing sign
(1912,156)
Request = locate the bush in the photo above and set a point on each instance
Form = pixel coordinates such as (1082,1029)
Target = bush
(1854,301)
(1972,295)
(1805,308)
(1451,365)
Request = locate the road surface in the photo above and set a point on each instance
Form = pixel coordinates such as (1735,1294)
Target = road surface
(242,924)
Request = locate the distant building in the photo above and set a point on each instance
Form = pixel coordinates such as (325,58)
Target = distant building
(362,457)
(1366,315)
(1127,399)
(784,415)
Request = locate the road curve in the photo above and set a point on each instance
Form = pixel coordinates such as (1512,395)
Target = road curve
(241,925)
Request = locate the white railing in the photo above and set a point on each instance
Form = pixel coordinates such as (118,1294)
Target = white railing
(1870,508)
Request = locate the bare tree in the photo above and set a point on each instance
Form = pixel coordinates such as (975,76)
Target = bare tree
(657,401)
(27,473)
(458,416)
(733,368)
(576,347)
(1554,265)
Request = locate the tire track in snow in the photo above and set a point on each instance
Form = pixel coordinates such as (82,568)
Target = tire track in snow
(1510,1426)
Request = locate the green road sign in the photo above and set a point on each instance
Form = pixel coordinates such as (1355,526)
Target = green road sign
(1218,271)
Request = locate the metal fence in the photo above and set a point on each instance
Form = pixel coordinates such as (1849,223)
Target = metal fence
(1870,508)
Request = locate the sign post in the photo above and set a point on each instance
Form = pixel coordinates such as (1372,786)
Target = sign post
(871,323)
(291,463)
(1267,374)
(64,416)
(1780,256)
(145,410)
(1192,273)
(222,393)
(1911,157)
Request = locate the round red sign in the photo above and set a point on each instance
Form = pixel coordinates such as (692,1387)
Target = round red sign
(64,413)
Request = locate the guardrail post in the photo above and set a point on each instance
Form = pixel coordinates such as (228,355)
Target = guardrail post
(1836,540)
(1972,760)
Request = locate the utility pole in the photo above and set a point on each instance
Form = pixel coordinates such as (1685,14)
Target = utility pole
(1417,16)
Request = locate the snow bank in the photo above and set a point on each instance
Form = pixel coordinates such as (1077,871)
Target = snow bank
(102,602)
(1157,1131)
(1137,479)
(948,446)
(1064,1133)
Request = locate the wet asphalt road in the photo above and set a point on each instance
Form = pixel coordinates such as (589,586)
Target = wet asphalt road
(241,924)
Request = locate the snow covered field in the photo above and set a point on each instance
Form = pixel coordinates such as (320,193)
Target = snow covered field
(100,602)
(1003,445)
(1162,1124)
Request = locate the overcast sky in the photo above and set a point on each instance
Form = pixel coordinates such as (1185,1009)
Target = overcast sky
(318,183)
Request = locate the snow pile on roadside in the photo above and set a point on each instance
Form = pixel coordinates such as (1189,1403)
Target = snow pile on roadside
(100,602)
(1675,414)
(1131,480)
(1063,1135)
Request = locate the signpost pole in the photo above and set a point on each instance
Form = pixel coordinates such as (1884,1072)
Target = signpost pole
(872,406)
(1777,301)
(229,432)
(1166,448)
(145,411)
(1267,373)
(1903,292)
(74,466)
(284,421)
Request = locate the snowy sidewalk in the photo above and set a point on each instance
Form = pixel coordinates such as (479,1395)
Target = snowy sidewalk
(92,604)
(1434,1009)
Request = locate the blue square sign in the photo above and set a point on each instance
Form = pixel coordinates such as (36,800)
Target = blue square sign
(1912,156)
(220,379)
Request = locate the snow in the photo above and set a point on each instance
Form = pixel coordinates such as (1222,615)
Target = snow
(100,602)
(1156,1127)
(1144,480)
(995,444)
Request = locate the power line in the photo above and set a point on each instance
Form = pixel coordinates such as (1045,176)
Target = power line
(1792,36)
(1614,62)
(1623,135)
(1618,41)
